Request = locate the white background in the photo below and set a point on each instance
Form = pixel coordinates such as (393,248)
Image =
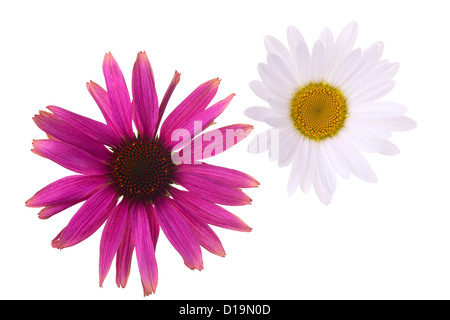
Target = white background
(389,240)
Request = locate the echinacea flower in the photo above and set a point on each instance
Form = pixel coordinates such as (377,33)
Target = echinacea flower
(324,109)
(131,180)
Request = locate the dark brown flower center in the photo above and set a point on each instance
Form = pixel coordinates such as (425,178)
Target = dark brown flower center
(141,169)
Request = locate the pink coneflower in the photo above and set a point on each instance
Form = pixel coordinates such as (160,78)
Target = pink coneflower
(131,180)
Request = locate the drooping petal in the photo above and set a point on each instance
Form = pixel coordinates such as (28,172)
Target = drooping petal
(119,98)
(111,236)
(69,157)
(178,232)
(145,99)
(61,130)
(153,223)
(88,218)
(216,141)
(145,252)
(69,189)
(194,104)
(228,176)
(124,255)
(212,189)
(96,130)
(50,211)
(204,234)
(209,212)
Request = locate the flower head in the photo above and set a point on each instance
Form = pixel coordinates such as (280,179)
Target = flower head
(324,109)
(132,180)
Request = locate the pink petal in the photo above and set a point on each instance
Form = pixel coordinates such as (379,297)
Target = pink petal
(201,120)
(153,223)
(111,237)
(61,130)
(145,99)
(228,176)
(204,234)
(50,211)
(69,189)
(96,130)
(209,212)
(88,219)
(195,103)
(124,255)
(145,251)
(101,98)
(119,98)
(214,142)
(178,232)
(70,157)
(212,189)
(167,95)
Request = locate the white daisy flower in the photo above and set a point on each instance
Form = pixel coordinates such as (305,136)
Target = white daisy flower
(324,109)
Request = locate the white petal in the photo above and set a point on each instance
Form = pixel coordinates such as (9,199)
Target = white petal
(346,68)
(282,72)
(318,62)
(280,106)
(372,93)
(336,158)
(269,80)
(302,57)
(308,163)
(345,41)
(321,191)
(388,148)
(326,37)
(294,37)
(401,123)
(360,166)
(358,141)
(258,113)
(260,89)
(273,45)
(381,72)
(367,128)
(290,144)
(378,110)
(295,176)
(277,121)
(326,173)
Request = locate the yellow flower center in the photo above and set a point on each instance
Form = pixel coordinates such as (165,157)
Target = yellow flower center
(318,110)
